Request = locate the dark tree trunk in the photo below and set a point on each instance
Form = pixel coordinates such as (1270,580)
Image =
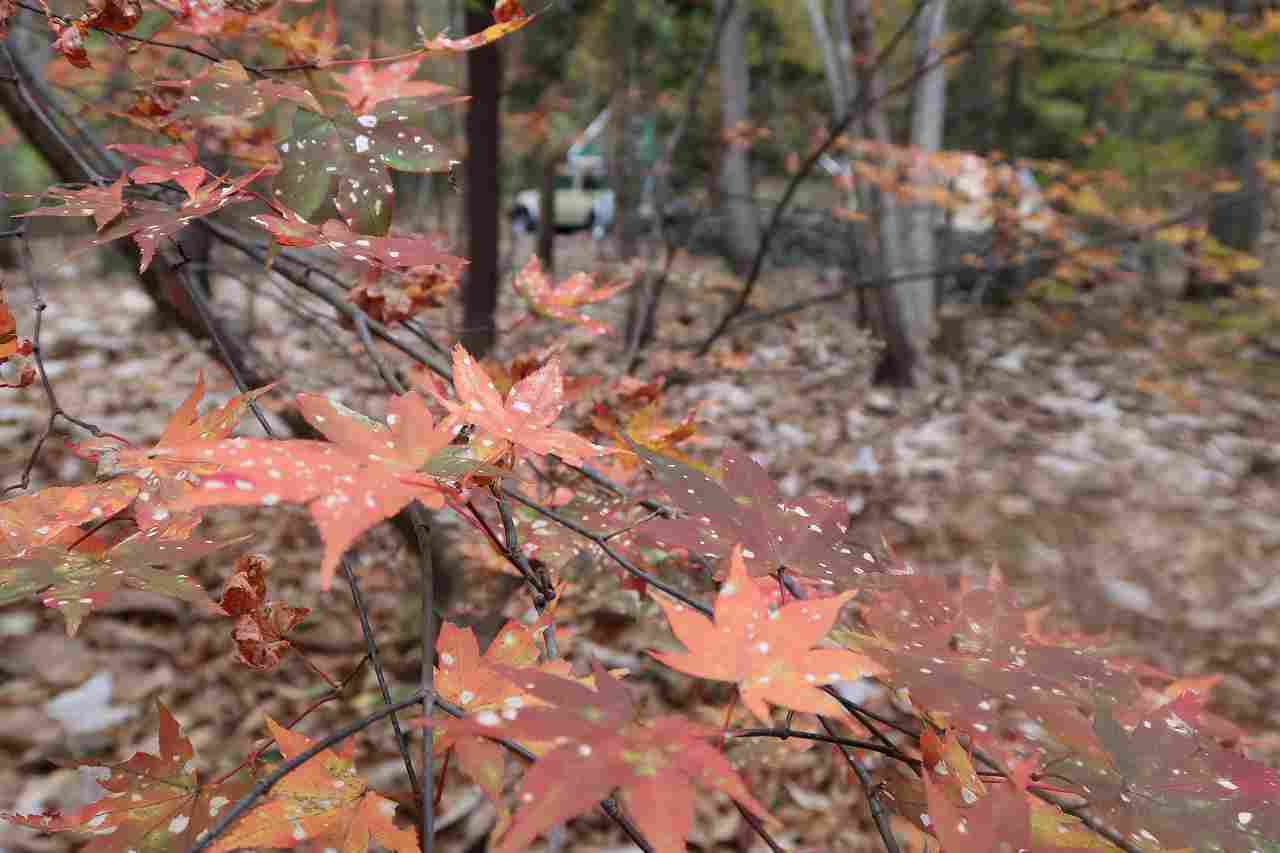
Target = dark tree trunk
(547,210)
(480,296)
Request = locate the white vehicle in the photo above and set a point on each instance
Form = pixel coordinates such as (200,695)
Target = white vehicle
(582,200)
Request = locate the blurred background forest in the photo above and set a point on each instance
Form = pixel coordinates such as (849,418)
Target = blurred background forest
(1001,274)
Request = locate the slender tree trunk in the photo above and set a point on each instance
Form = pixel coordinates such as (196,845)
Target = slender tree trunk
(834,66)
(551,157)
(886,308)
(623,175)
(742,224)
(927,116)
(480,297)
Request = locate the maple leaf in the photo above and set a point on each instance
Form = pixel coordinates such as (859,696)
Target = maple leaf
(368,84)
(806,536)
(175,163)
(32,520)
(78,572)
(770,656)
(969,658)
(469,680)
(164,480)
(647,427)
(390,253)
(154,803)
(13,349)
(261,625)
(391,298)
(486,36)
(602,747)
(367,474)
(523,420)
(1168,787)
(561,302)
(104,204)
(330,142)
(324,802)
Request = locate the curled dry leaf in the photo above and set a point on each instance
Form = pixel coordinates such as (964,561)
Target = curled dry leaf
(261,625)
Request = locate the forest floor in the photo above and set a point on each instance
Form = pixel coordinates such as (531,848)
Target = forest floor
(1117,454)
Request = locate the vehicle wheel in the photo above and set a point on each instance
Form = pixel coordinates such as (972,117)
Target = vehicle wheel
(523,222)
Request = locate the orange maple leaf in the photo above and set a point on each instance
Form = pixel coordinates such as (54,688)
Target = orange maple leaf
(562,301)
(367,474)
(324,801)
(769,655)
(524,419)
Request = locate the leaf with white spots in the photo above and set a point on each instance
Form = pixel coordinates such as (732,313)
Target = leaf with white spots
(36,519)
(1167,786)
(524,419)
(807,536)
(162,479)
(367,474)
(354,150)
(154,803)
(601,748)
(968,657)
(78,572)
(325,802)
(401,253)
(769,655)
(104,204)
(151,223)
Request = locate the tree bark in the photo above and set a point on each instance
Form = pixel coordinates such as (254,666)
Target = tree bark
(928,111)
(742,232)
(885,306)
(623,175)
(480,296)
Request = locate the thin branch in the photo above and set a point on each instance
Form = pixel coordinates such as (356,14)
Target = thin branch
(872,793)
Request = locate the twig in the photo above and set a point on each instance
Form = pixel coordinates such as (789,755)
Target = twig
(870,790)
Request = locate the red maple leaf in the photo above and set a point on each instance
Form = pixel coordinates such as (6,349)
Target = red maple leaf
(393,253)
(76,572)
(770,656)
(368,84)
(806,536)
(1167,785)
(324,801)
(523,419)
(967,657)
(601,747)
(366,473)
(561,302)
(177,163)
(104,204)
(153,802)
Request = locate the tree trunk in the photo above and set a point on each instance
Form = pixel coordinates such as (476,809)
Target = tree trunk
(480,296)
(742,232)
(1236,218)
(623,174)
(551,157)
(928,111)
(886,305)
(834,65)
